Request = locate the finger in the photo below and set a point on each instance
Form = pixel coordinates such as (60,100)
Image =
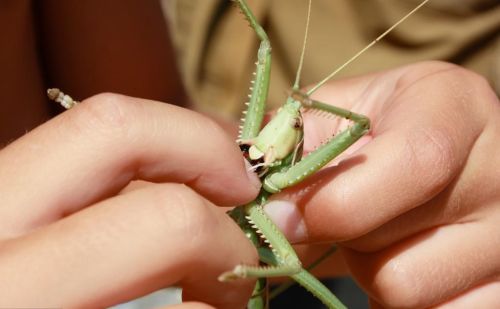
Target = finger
(418,147)
(125,247)
(190,305)
(95,149)
(483,296)
(430,268)
(462,200)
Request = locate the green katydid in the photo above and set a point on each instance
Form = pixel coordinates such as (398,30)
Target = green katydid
(275,152)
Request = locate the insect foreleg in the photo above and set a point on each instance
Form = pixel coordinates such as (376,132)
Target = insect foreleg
(281,259)
(286,263)
(284,286)
(254,114)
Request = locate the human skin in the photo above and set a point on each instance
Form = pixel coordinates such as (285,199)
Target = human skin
(74,234)
(415,205)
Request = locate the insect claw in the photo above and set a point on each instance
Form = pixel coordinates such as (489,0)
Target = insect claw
(256,166)
(237,273)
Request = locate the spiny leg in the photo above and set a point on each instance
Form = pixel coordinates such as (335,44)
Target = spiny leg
(323,154)
(284,261)
(281,256)
(251,125)
(284,286)
(254,114)
(300,275)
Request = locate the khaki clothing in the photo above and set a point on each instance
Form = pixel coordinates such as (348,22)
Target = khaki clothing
(217,49)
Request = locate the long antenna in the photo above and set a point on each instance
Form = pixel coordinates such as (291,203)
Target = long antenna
(301,62)
(321,83)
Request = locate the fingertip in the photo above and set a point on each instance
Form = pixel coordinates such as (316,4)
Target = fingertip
(236,184)
(288,218)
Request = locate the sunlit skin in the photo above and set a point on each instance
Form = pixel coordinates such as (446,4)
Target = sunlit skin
(417,224)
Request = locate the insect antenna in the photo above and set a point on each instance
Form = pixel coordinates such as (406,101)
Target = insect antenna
(302,53)
(322,82)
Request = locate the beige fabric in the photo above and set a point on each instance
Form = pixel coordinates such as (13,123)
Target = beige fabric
(217,49)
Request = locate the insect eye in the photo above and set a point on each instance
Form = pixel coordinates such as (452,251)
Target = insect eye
(244,148)
(297,123)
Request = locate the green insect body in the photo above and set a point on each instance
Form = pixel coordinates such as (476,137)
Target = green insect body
(276,153)
(276,149)
(276,141)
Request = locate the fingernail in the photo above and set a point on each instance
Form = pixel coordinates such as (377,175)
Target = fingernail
(252,176)
(288,218)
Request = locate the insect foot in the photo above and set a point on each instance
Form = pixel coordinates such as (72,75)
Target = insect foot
(237,273)
(58,96)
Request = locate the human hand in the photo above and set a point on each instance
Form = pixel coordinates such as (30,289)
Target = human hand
(71,237)
(416,209)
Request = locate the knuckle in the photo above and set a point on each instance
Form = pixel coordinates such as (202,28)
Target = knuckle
(462,85)
(432,150)
(465,75)
(430,67)
(103,114)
